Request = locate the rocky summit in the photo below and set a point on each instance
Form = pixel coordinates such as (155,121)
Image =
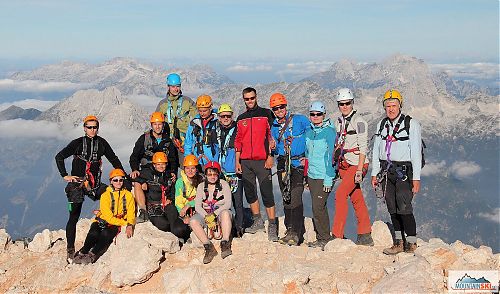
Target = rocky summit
(153,262)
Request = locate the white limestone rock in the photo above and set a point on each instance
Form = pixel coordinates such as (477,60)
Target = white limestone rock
(340,245)
(165,241)
(41,242)
(381,234)
(131,261)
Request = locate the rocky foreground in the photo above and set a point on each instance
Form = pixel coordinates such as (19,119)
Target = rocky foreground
(153,262)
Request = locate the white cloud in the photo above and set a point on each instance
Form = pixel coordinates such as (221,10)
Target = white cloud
(121,140)
(478,70)
(41,105)
(147,102)
(493,216)
(249,68)
(431,168)
(20,128)
(304,69)
(29,86)
(464,169)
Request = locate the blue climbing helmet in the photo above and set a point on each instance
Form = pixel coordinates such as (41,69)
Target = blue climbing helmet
(173,79)
(317,106)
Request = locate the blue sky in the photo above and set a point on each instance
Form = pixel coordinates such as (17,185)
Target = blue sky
(451,31)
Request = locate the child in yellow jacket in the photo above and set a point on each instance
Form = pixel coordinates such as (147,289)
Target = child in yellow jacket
(117,209)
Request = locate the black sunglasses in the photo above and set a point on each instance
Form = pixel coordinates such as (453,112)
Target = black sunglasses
(117,180)
(92,127)
(315,113)
(344,103)
(250,98)
(225,116)
(276,108)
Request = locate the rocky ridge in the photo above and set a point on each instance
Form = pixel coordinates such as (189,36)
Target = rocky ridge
(153,262)
(108,105)
(130,76)
(15,112)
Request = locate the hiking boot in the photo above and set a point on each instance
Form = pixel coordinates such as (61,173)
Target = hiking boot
(258,225)
(365,239)
(79,257)
(238,233)
(225,249)
(318,244)
(70,254)
(88,258)
(210,253)
(272,232)
(142,217)
(293,240)
(410,247)
(286,238)
(398,247)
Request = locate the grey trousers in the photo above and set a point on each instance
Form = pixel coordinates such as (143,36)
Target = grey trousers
(321,219)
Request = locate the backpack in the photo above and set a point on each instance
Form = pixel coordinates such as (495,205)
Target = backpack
(406,119)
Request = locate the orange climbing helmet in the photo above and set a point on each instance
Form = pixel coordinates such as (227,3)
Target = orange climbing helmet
(159,157)
(277,99)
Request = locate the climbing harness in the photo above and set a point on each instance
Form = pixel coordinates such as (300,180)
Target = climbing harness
(213,232)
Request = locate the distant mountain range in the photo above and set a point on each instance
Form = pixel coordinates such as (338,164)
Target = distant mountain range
(14,112)
(108,105)
(128,75)
(460,127)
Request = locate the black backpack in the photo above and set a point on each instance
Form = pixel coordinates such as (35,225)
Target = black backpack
(407,120)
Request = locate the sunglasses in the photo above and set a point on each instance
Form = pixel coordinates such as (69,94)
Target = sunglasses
(276,108)
(212,174)
(250,98)
(225,116)
(117,180)
(315,114)
(92,127)
(344,103)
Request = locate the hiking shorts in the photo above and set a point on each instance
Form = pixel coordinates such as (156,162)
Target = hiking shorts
(252,169)
(398,188)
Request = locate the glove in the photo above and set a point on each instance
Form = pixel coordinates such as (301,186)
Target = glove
(358,177)
(210,221)
(327,189)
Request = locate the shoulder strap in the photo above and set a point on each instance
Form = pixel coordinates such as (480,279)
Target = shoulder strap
(382,125)
(124,203)
(94,148)
(285,126)
(407,124)
(113,201)
(148,144)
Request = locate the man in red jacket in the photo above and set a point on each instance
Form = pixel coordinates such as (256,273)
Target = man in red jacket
(253,145)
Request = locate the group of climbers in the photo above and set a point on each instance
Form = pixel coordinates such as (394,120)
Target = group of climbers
(222,158)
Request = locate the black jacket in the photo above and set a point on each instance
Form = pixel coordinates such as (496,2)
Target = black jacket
(155,180)
(166,145)
(78,165)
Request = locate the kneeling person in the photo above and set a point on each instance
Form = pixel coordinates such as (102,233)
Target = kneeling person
(158,185)
(117,209)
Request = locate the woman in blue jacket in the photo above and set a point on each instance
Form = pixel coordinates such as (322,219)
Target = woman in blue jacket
(320,141)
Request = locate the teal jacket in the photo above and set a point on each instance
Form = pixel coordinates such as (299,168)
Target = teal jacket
(320,142)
